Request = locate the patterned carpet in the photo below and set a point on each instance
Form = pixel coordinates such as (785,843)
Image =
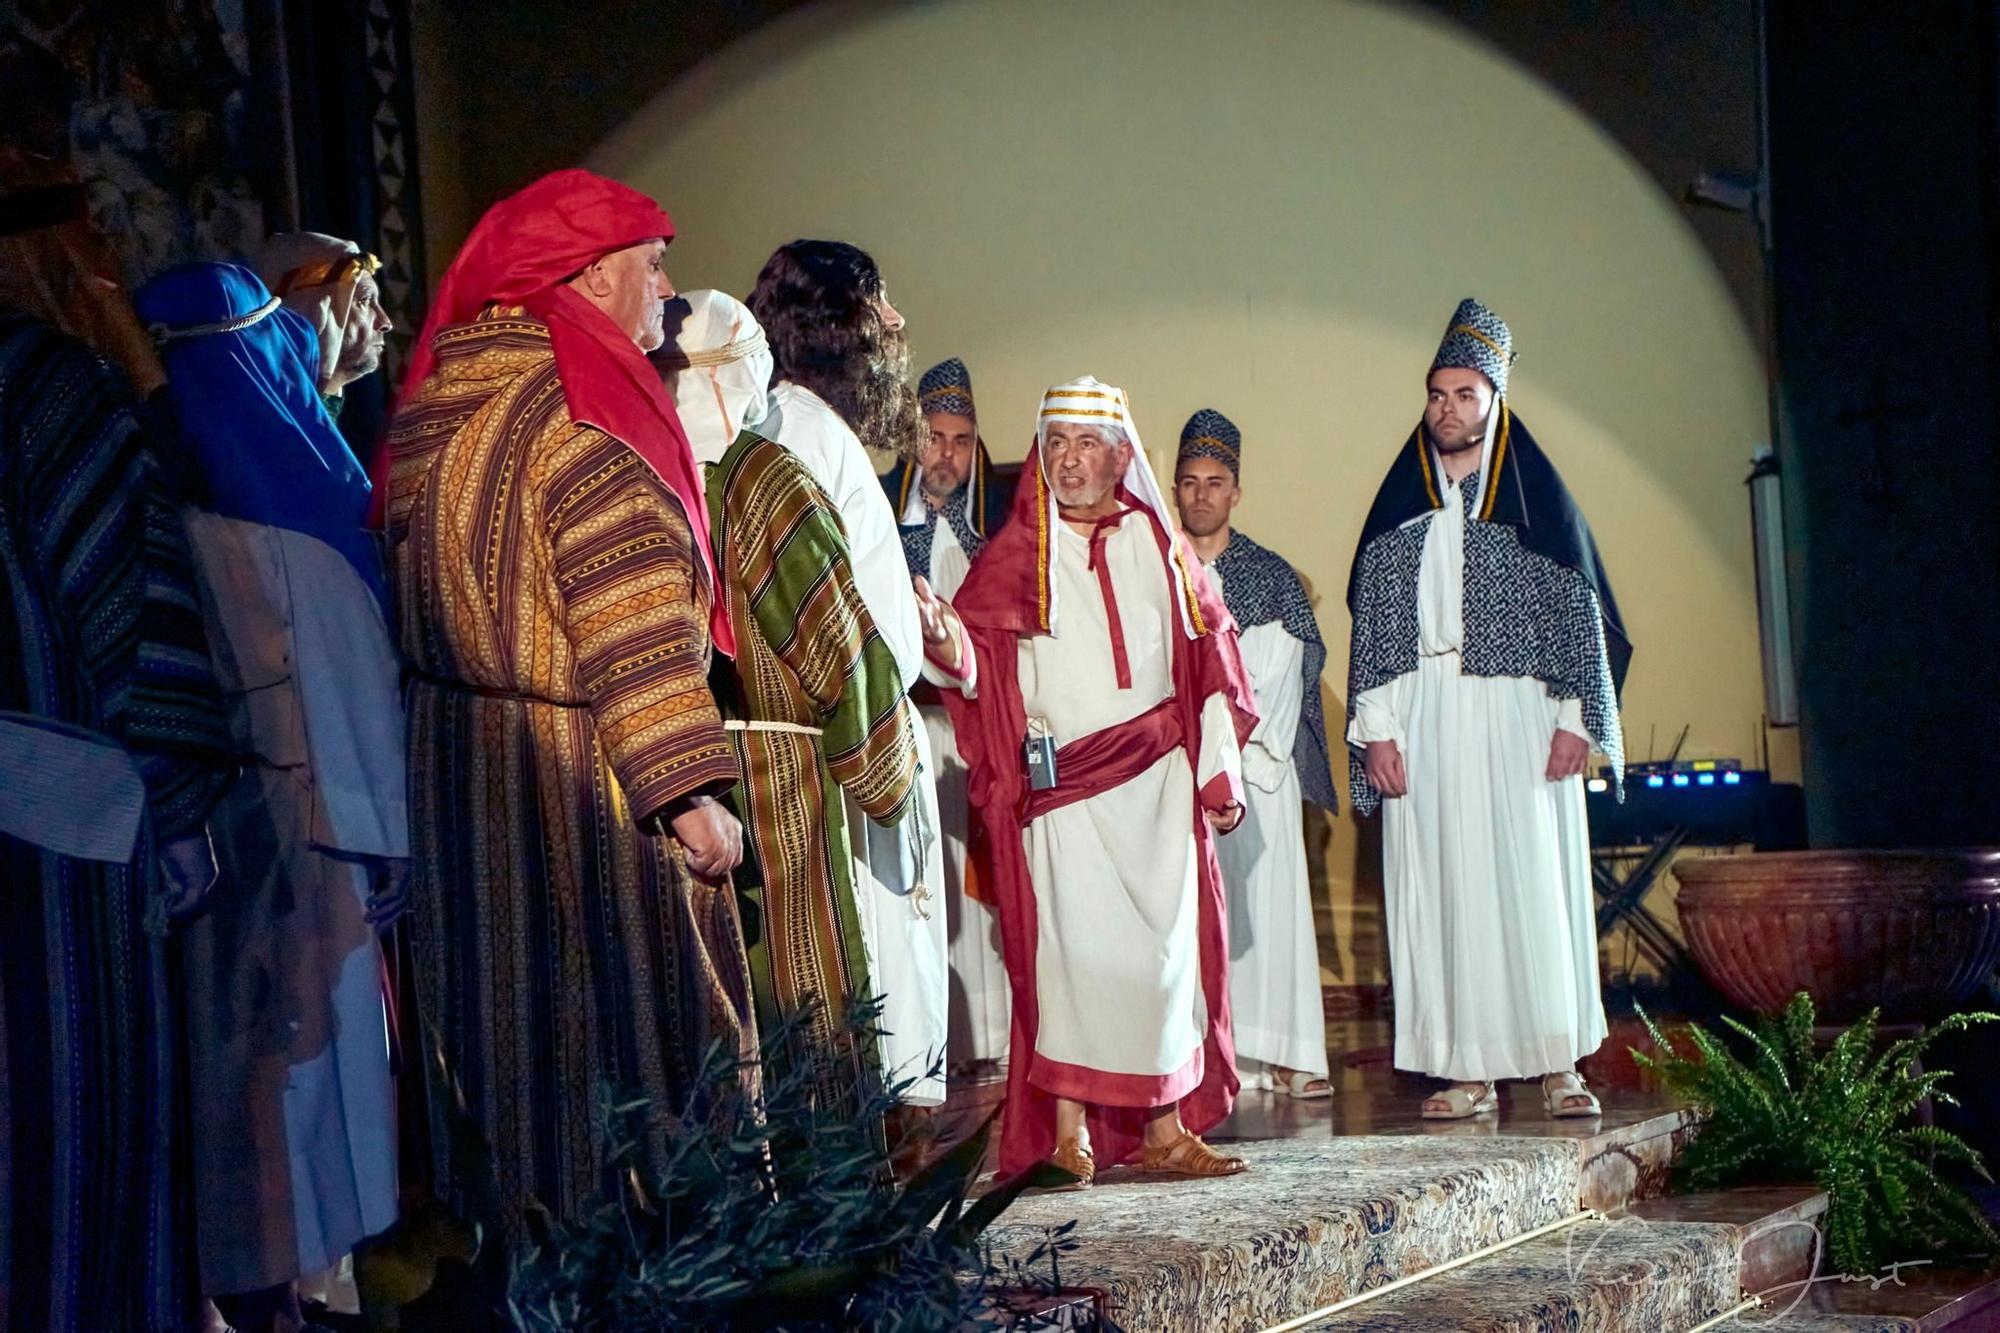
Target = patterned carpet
(1311,1222)
(1596,1275)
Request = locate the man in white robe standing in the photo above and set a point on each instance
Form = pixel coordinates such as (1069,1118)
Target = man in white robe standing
(948,507)
(1486,662)
(1274,986)
(841,378)
(1101,711)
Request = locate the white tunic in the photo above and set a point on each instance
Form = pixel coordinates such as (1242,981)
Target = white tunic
(1274,986)
(899,872)
(1486,864)
(1118,979)
(980,1004)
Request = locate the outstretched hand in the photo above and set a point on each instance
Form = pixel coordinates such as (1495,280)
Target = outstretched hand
(940,623)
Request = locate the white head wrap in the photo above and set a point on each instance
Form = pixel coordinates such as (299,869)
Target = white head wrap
(724,383)
(1091,402)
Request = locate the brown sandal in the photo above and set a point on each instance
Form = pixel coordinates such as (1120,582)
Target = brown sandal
(1189,1156)
(1073,1157)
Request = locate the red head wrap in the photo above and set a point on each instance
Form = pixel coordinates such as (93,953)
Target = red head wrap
(520,253)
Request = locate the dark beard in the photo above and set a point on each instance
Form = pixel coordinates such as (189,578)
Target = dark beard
(887,412)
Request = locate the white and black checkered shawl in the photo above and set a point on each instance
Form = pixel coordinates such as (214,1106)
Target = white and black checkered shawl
(917,537)
(1259,586)
(1525,615)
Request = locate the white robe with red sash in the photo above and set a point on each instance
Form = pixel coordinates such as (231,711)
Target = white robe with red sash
(1112,923)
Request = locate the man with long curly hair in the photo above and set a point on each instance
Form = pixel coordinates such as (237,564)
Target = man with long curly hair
(841,386)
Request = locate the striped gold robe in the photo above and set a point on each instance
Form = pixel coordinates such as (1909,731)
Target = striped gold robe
(554,615)
(809,659)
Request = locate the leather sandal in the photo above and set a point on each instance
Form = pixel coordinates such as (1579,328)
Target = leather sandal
(1189,1156)
(1458,1104)
(1073,1156)
(1305,1085)
(1568,1098)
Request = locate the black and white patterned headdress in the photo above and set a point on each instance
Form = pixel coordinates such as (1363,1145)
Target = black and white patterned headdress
(1478,340)
(1209,434)
(946,387)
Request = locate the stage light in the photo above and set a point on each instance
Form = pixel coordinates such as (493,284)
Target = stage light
(1732,779)
(1680,779)
(1656,781)
(1706,780)
(1597,784)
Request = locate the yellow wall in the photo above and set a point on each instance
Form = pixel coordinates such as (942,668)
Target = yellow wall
(1270,209)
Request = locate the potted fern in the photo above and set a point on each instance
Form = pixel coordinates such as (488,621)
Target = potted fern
(1841,1116)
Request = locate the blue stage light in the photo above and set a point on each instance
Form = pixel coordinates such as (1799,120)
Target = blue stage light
(1705,780)
(1656,781)
(1732,779)
(1680,779)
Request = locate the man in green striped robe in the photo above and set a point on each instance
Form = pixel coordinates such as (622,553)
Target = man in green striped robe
(816,704)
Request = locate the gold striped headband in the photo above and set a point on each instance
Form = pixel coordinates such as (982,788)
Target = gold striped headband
(1053,413)
(1200,440)
(1498,350)
(728,352)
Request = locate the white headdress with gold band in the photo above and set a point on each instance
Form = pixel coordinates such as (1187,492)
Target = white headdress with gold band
(724,371)
(1089,401)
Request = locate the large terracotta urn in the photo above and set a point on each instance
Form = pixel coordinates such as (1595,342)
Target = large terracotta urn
(1915,933)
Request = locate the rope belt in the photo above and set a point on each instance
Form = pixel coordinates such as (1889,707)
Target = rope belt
(733,724)
(164,334)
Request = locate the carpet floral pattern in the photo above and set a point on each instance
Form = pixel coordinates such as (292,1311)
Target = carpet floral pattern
(1311,1222)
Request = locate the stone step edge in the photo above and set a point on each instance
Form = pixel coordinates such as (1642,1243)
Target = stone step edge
(1409,1280)
(1450,1299)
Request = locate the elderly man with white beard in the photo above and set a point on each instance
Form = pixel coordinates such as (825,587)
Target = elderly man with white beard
(1104,757)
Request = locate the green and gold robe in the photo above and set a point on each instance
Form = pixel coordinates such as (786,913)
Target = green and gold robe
(821,709)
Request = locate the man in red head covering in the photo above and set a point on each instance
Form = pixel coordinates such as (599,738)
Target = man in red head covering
(571,915)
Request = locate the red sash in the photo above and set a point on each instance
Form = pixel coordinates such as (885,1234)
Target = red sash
(1092,765)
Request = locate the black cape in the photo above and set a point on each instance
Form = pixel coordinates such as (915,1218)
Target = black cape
(1527,494)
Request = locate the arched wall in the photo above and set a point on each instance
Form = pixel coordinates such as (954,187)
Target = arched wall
(1269,209)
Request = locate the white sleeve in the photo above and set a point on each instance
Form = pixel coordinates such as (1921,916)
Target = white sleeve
(1375,718)
(1569,717)
(1275,661)
(1219,754)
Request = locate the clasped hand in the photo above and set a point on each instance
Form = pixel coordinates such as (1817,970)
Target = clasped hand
(710,836)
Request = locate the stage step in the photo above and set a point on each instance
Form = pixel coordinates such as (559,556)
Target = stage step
(1318,1220)
(1808,1321)
(1918,1300)
(1600,1275)
(1312,1221)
